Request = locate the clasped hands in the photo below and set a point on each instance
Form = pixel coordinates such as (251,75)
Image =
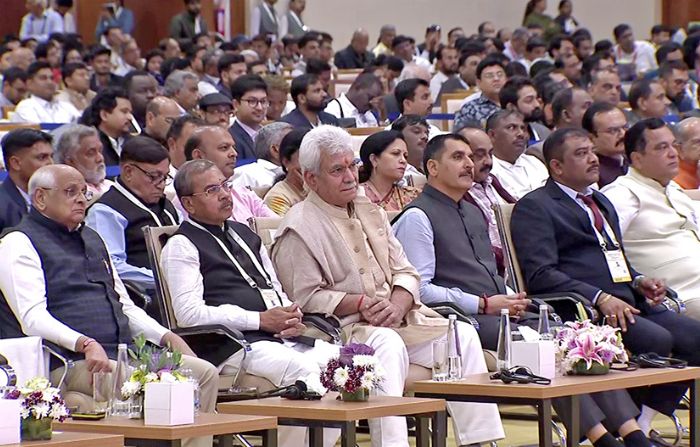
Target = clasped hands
(618,313)
(386,312)
(283,321)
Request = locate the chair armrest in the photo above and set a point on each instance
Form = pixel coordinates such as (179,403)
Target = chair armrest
(67,364)
(565,305)
(446,308)
(327,324)
(137,293)
(674,303)
(219,329)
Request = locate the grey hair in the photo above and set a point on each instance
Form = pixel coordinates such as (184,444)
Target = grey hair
(268,136)
(176,81)
(520,33)
(184,176)
(68,142)
(330,140)
(681,130)
(42,178)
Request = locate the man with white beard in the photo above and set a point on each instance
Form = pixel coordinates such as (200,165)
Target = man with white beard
(80,147)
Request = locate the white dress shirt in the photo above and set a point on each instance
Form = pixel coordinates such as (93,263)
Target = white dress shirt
(24,288)
(643,56)
(525,175)
(260,174)
(341,107)
(180,263)
(38,110)
(436,82)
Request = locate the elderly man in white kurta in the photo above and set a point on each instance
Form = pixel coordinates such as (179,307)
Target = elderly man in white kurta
(335,253)
(659,222)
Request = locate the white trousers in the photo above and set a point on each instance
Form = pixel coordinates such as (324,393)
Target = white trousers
(283,364)
(473,422)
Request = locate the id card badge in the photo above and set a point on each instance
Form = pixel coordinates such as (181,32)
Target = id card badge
(270,298)
(617,266)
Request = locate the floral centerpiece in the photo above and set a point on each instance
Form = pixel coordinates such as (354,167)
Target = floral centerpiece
(589,349)
(152,364)
(41,405)
(354,373)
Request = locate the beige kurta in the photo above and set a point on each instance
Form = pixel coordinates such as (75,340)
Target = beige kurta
(323,252)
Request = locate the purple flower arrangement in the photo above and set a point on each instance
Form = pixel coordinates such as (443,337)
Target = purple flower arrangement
(39,400)
(583,342)
(355,368)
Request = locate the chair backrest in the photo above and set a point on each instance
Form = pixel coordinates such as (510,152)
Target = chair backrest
(417,181)
(265,227)
(347,74)
(26,356)
(514,276)
(338,87)
(452,102)
(156,237)
(364,130)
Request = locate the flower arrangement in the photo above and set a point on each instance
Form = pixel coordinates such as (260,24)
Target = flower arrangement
(589,349)
(151,365)
(40,405)
(354,373)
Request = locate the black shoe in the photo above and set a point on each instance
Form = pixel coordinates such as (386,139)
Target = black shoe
(658,440)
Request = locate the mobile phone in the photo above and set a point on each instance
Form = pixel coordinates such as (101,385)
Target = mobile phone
(89,415)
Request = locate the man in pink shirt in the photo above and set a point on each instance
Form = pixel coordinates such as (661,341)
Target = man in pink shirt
(215,144)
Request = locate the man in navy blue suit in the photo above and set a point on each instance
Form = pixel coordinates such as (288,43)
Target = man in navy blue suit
(310,99)
(568,239)
(24,151)
(250,102)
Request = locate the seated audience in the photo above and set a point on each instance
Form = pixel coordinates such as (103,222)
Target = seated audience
(384,41)
(161,113)
(491,76)
(383,157)
(362,99)
(102,76)
(23,151)
(40,22)
(277,93)
(110,113)
(76,81)
(116,15)
(249,94)
(446,67)
(518,172)
(447,241)
(355,55)
(189,23)
(309,48)
(266,168)
(218,272)
(607,126)
(372,288)
(413,98)
(181,86)
(569,106)
(231,67)
(79,146)
(566,254)
(41,106)
(289,189)
(636,56)
(216,144)
(658,221)
(674,78)
(310,100)
(178,134)
(135,200)
(469,58)
(216,109)
(14,87)
(648,100)
(519,93)
(84,313)
(688,135)
(415,131)
(141,87)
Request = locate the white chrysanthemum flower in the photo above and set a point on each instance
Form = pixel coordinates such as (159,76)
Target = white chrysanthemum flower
(364,360)
(367,380)
(58,412)
(151,377)
(166,377)
(42,410)
(379,372)
(49,393)
(24,413)
(131,388)
(340,377)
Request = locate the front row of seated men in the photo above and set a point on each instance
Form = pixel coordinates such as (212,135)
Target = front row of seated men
(63,287)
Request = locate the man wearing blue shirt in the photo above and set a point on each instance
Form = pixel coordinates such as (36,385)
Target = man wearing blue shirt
(40,22)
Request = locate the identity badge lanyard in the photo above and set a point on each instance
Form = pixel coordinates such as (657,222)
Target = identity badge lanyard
(617,265)
(269,295)
(130,197)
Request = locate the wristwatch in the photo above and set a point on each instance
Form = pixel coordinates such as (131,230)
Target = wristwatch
(7,374)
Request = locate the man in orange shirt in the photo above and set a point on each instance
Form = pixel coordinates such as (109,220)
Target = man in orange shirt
(688,137)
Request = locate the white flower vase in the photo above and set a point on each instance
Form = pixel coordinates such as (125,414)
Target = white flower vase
(169,403)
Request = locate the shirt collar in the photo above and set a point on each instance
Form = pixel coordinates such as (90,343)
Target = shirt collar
(331,210)
(252,133)
(572,192)
(348,107)
(27,198)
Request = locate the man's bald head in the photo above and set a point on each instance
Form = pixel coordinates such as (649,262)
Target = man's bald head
(22,58)
(59,193)
(687,128)
(161,113)
(360,41)
(688,135)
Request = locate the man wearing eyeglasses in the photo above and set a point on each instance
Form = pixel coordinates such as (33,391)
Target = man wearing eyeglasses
(491,76)
(161,113)
(216,109)
(250,103)
(136,199)
(607,125)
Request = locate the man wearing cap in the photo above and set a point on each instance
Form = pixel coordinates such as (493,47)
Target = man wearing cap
(216,109)
(404,48)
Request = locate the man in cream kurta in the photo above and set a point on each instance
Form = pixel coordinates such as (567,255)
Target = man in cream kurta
(658,221)
(335,253)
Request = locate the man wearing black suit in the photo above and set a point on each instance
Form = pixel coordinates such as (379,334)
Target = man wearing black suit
(568,239)
(355,55)
(250,103)
(24,151)
(310,99)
